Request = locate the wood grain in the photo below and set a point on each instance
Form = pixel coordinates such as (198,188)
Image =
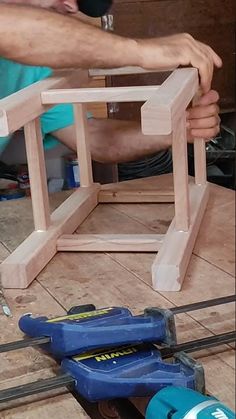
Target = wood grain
(162,111)
(99,94)
(59,403)
(20,367)
(180,176)
(110,242)
(124,280)
(117,196)
(83,145)
(170,265)
(218,221)
(24,264)
(37,175)
(200,170)
(14,227)
(4,252)
(22,107)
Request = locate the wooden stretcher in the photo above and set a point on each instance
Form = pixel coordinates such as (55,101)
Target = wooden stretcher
(162,114)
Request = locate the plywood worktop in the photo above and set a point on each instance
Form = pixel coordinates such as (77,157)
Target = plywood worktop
(120,279)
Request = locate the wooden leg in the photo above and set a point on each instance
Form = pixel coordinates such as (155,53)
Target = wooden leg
(180,174)
(25,263)
(37,174)
(199,154)
(200,161)
(169,267)
(82,141)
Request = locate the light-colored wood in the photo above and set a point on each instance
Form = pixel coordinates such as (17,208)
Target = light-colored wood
(110,219)
(98,110)
(162,111)
(99,94)
(121,279)
(169,267)
(167,107)
(118,282)
(161,184)
(180,176)
(24,106)
(121,71)
(219,221)
(199,154)
(110,242)
(201,275)
(24,264)
(83,145)
(216,371)
(37,175)
(200,161)
(59,403)
(125,196)
(12,237)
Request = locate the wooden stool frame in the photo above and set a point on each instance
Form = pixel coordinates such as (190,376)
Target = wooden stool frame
(163,113)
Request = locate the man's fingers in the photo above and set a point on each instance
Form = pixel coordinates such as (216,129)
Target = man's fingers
(205,77)
(215,57)
(207,134)
(210,122)
(202,111)
(210,97)
(180,49)
(206,68)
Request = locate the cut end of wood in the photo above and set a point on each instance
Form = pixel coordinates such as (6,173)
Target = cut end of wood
(13,278)
(155,121)
(170,265)
(21,267)
(166,278)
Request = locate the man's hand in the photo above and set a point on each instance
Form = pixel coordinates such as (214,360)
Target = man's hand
(182,49)
(203,119)
(50,39)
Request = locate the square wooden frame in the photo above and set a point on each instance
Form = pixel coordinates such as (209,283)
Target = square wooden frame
(163,113)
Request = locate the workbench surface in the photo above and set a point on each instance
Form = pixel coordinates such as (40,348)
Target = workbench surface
(120,279)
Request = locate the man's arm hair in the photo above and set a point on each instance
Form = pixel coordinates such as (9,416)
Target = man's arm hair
(40,37)
(45,38)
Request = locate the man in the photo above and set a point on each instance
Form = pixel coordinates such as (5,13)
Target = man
(45,38)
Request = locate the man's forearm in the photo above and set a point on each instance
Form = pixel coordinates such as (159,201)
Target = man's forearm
(115,141)
(40,37)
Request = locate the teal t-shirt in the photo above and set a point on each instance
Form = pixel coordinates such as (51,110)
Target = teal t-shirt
(14,77)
